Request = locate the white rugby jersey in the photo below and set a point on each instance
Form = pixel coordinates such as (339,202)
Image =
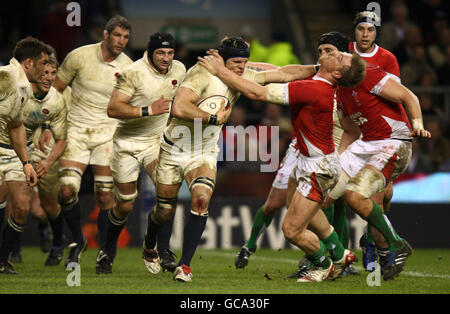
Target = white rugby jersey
(145,85)
(92,81)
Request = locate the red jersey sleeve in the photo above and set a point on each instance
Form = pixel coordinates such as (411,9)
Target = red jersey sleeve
(375,79)
(300,92)
(391,66)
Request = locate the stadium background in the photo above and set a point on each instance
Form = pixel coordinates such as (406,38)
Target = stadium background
(417,32)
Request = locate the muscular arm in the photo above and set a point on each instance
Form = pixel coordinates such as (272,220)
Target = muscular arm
(185,106)
(18,139)
(351,133)
(43,166)
(17,135)
(290,73)
(119,107)
(57,151)
(398,93)
(60,85)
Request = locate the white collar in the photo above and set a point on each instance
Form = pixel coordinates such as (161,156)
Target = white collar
(364,54)
(319,78)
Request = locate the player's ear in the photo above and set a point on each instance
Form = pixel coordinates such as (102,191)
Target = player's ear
(105,34)
(336,74)
(28,63)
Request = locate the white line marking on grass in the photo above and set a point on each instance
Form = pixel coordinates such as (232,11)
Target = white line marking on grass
(294,261)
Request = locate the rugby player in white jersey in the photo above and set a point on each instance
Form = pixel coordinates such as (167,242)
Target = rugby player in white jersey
(141,100)
(197,164)
(91,71)
(50,105)
(27,65)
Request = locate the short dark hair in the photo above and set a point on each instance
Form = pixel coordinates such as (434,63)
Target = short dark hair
(355,74)
(117,20)
(234,47)
(32,48)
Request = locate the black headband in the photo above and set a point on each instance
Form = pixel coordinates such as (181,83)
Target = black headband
(231,52)
(340,41)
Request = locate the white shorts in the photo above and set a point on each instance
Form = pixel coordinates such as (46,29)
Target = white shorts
(11,168)
(389,156)
(316,176)
(129,156)
(286,167)
(89,146)
(172,167)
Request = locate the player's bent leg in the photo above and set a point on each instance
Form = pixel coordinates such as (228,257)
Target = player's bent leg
(103,189)
(126,193)
(70,173)
(39,214)
(166,255)
(340,256)
(298,217)
(49,203)
(162,212)
(201,183)
(20,197)
(387,196)
(360,188)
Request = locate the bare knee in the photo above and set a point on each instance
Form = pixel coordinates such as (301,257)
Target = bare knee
(21,209)
(200,202)
(67,193)
(290,231)
(104,199)
(124,208)
(353,199)
(271,207)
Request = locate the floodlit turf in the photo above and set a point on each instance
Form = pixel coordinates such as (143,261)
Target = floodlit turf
(427,271)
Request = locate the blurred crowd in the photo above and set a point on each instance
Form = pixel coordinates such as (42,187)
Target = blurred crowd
(417,32)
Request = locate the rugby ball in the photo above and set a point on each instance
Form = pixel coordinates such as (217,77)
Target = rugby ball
(212,104)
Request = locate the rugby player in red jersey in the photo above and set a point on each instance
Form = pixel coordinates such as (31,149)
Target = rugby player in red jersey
(318,168)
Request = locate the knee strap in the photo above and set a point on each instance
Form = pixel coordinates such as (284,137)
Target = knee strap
(70,176)
(165,202)
(202,181)
(125,197)
(103,184)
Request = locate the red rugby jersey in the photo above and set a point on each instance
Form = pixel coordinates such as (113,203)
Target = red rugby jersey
(312,115)
(377,118)
(381,57)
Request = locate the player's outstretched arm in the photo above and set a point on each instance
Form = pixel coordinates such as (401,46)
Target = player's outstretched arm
(274,74)
(250,89)
(398,93)
(289,73)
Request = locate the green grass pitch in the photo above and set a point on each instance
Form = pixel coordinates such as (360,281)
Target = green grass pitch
(426,271)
